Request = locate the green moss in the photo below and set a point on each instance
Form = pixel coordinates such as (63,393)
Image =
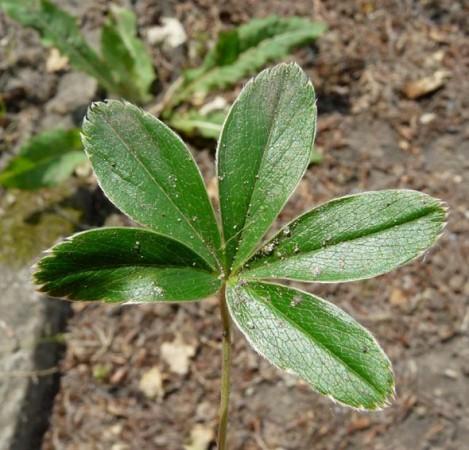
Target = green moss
(31,222)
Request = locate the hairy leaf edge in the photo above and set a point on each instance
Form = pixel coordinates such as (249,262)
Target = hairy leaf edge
(125,103)
(50,254)
(379,406)
(244,273)
(217,152)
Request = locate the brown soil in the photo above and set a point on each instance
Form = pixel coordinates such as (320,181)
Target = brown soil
(372,137)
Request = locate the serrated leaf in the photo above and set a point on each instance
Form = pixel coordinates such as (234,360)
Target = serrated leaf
(126,54)
(351,238)
(58,29)
(192,122)
(46,160)
(124,265)
(242,51)
(147,171)
(263,152)
(314,339)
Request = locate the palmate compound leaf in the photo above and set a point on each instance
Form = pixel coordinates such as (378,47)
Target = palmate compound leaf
(129,265)
(264,150)
(350,238)
(148,173)
(46,160)
(314,339)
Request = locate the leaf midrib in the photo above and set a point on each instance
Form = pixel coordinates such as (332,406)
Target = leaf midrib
(253,214)
(263,262)
(318,343)
(260,164)
(156,182)
(95,268)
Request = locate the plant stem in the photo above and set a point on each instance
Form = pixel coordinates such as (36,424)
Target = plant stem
(226,372)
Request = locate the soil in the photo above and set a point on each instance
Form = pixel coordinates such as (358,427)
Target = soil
(372,136)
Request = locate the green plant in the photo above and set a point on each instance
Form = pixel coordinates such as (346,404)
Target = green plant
(46,160)
(237,53)
(124,67)
(264,149)
(241,51)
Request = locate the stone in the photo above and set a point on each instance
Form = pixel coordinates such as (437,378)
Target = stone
(29,352)
(75,91)
(30,324)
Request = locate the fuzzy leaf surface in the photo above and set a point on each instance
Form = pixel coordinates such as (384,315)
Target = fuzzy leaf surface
(241,52)
(46,160)
(148,172)
(264,150)
(314,339)
(124,265)
(353,237)
(126,54)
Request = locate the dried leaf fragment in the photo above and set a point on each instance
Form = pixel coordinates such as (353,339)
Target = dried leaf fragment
(426,85)
(398,298)
(151,383)
(171,33)
(56,61)
(177,355)
(200,439)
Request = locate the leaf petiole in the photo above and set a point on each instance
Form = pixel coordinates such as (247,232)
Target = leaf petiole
(226,372)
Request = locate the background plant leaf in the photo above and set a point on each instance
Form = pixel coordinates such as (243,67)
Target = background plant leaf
(131,64)
(125,69)
(46,160)
(263,152)
(314,339)
(148,172)
(241,52)
(193,122)
(58,29)
(124,265)
(316,157)
(354,237)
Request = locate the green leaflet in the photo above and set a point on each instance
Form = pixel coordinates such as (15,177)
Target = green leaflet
(46,160)
(354,237)
(314,339)
(127,56)
(59,29)
(242,51)
(146,171)
(264,150)
(124,265)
